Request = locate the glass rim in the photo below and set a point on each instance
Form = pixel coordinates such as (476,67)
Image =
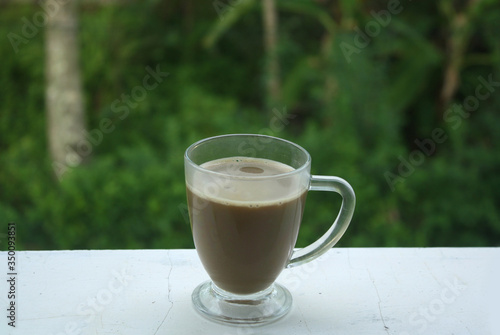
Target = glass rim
(198,167)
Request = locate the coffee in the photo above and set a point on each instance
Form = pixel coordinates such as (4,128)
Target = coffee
(244,224)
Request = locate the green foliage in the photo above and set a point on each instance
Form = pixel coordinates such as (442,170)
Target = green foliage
(359,115)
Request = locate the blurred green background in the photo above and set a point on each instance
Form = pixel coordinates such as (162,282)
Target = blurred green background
(399,98)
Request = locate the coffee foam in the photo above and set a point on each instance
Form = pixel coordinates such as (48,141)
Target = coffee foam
(241,181)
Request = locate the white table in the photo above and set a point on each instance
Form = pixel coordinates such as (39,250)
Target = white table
(347,291)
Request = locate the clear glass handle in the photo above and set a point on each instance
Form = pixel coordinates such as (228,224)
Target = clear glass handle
(333,235)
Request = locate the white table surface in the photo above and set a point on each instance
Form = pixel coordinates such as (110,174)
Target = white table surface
(346,291)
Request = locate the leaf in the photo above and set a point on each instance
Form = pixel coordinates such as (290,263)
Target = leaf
(298,79)
(229,14)
(305,7)
(411,72)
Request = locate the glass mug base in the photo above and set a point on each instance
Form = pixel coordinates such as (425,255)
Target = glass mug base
(253,309)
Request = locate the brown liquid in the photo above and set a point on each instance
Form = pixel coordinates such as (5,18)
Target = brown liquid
(244,245)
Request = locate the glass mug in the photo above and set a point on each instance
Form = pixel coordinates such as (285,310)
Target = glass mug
(246,195)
